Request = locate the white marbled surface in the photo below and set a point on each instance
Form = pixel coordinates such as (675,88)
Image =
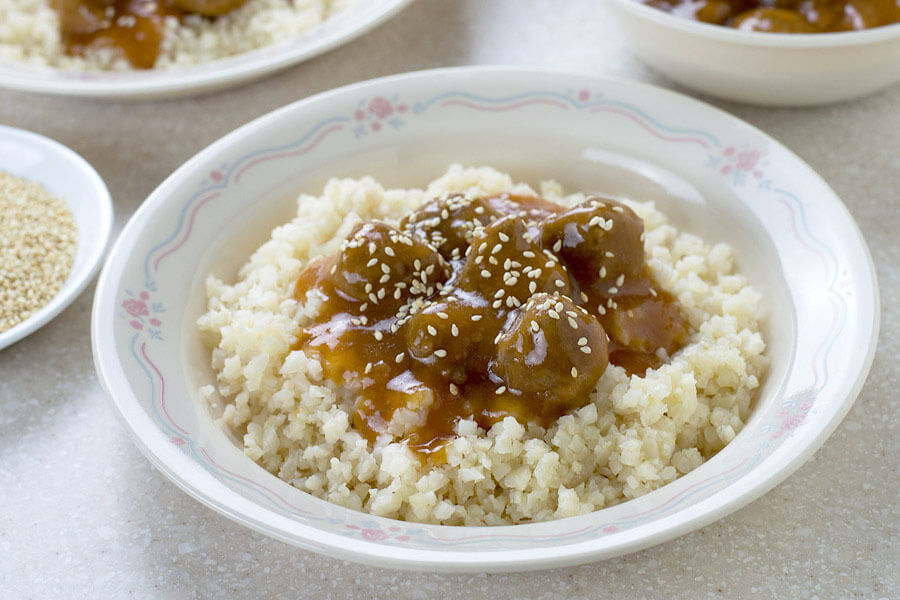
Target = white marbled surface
(83,514)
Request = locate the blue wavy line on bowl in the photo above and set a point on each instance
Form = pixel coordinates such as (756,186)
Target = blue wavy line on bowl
(225,181)
(842,304)
(572,102)
(169,430)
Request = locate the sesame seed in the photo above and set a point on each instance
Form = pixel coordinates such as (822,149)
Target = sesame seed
(368,368)
(528,254)
(399,358)
(454,330)
(553,314)
(431,330)
(535,327)
(608,254)
(557,246)
(372,262)
(381,294)
(454,390)
(385,269)
(497,248)
(574,372)
(501,389)
(601,310)
(532,287)
(572,323)
(503,237)
(602,272)
(378,335)
(613,290)
(497,304)
(476,317)
(584,297)
(443,315)
(384,279)
(485,273)
(560,283)
(586,349)
(499,293)
(582,341)
(620,280)
(440,353)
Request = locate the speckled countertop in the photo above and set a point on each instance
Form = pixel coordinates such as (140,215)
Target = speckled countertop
(83,514)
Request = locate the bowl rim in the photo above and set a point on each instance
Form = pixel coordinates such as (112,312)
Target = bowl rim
(204,77)
(760,39)
(229,503)
(102,214)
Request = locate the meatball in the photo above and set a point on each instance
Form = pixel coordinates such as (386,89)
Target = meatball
(208,8)
(451,336)
(507,267)
(600,242)
(552,349)
(648,324)
(382,267)
(773,20)
(448,222)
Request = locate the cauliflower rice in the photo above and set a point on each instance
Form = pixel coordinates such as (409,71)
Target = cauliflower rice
(29,32)
(634,435)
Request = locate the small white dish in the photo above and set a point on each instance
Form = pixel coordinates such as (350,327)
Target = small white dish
(70,178)
(711,173)
(215,75)
(776,69)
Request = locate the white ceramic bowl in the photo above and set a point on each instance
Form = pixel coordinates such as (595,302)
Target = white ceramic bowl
(777,69)
(228,72)
(70,178)
(711,173)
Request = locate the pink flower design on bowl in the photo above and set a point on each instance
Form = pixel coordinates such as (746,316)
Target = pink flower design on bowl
(381,107)
(135,308)
(373,535)
(747,160)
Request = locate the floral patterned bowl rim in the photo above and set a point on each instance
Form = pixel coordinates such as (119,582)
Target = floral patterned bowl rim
(710,172)
(342,28)
(69,177)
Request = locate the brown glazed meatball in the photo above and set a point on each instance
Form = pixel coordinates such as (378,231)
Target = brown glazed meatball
(448,222)
(773,20)
(381,266)
(452,336)
(598,241)
(503,257)
(208,8)
(552,348)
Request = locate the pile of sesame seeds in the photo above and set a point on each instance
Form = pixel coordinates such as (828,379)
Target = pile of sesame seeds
(38,239)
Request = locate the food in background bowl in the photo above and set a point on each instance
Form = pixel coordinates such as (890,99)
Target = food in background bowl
(786,16)
(477,353)
(94,35)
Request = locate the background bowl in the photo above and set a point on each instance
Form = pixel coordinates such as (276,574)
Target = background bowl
(709,172)
(206,77)
(777,69)
(70,178)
